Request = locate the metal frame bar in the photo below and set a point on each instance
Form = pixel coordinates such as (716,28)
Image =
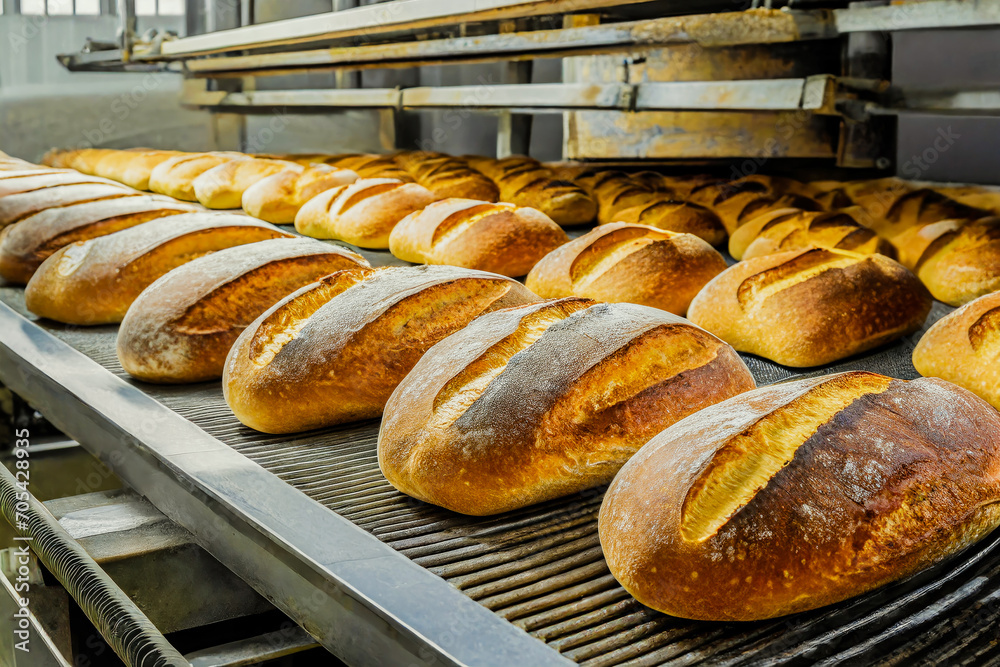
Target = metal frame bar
(362,600)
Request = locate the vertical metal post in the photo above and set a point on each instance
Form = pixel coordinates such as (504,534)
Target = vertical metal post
(126,27)
(514,129)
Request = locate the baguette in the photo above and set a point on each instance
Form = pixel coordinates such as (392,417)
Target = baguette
(682,217)
(794,229)
(278,198)
(362,213)
(95,281)
(620,262)
(963,347)
(34,182)
(802,494)
(499,238)
(544,400)
(181,327)
(19,206)
(448,177)
(175,176)
(222,186)
(811,307)
(25,245)
(133,168)
(334,351)
(958,260)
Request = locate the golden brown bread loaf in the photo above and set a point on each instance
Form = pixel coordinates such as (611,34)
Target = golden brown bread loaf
(19,206)
(532,403)
(223,186)
(279,197)
(334,351)
(983,197)
(915,207)
(811,307)
(175,176)
(620,262)
(958,260)
(52,178)
(95,281)
(448,177)
(362,213)
(373,166)
(677,216)
(83,160)
(794,229)
(526,182)
(181,327)
(963,347)
(132,168)
(802,494)
(616,191)
(28,243)
(499,238)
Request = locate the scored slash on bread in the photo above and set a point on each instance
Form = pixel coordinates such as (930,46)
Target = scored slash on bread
(794,229)
(536,402)
(18,206)
(811,307)
(175,177)
(802,494)
(181,327)
(448,177)
(222,186)
(499,238)
(334,351)
(32,183)
(629,263)
(278,198)
(95,281)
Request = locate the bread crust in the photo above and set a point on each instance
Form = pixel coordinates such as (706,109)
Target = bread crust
(132,168)
(811,307)
(499,238)
(362,213)
(334,351)
(16,207)
(448,177)
(526,182)
(802,494)
(34,182)
(963,347)
(620,262)
(222,186)
(787,229)
(175,176)
(532,403)
(278,198)
(95,281)
(677,216)
(181,327)
(26,244)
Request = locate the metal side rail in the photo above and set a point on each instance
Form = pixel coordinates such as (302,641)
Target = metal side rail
(365,602)
(122,624)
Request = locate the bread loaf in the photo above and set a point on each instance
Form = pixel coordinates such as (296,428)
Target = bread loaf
(615,191)
(964,347)
(802,494)
(811,307)
(25,245)
(548,399)
(740,208)
(499,238)
(362,213)
(132,168)
(278,198)
(95,281)
(34,182)
(448,177)
(181,327)
(915,207)
(983,197)
(19,206)
(175,176)
(374,166)
(620,262)
(83,160)
(223,186)
(958,260)
(677,216)
(525,182)
(794,229)
(334,351)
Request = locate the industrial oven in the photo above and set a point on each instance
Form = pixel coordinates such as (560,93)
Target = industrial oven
(226,546)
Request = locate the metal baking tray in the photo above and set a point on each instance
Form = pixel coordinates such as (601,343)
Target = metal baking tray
(380,578)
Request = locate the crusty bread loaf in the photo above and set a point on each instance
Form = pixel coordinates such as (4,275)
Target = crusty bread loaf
(983,197)
(802,494)
(616,191)
(95,281)
(181,327)
(794,229)
(677,216)
(914,207)
(278,198)
(958,260)
(374,166)
(222,186)
(28,243)
(19,206)
(83,160)
(334,351)
(811,307)
(132,168)
(964,347)
(362,213)
(175,176)
(526,182)
(621,262)
(499,238)
(740,208)
(31,183)
(548,399)
(448,177)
